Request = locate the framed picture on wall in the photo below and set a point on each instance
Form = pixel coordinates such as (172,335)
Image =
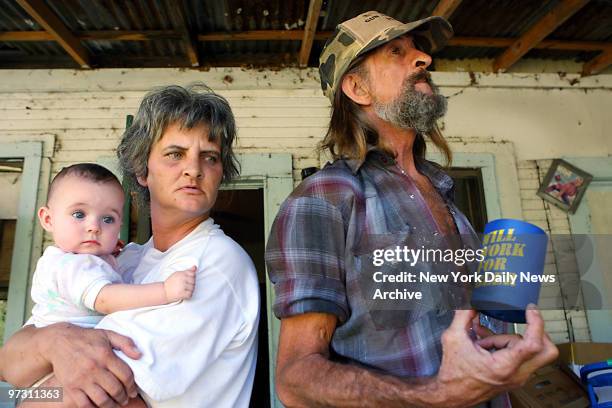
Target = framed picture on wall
(564,185)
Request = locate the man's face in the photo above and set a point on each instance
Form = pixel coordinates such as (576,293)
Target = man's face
(401,88)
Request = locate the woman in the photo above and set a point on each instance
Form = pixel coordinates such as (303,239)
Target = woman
(200,352)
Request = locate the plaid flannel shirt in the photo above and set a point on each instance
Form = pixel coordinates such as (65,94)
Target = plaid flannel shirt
(315,259)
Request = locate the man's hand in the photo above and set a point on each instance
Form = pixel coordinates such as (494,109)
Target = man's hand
(180,285)
(85,365)
(67,402)
(470,365)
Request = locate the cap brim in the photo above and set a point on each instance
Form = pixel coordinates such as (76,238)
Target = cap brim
(430,35)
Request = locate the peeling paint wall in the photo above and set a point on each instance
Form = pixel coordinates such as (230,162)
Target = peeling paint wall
(521,119)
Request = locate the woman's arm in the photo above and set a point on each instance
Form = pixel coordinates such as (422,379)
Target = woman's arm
(82,360)
(116,297)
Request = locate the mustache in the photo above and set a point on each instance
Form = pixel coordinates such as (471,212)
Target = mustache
(420,75)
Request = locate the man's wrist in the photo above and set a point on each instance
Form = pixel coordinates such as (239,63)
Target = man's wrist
(423,393)
(429,393)
(47,340)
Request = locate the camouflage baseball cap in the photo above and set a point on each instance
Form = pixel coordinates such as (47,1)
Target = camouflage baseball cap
(369,30)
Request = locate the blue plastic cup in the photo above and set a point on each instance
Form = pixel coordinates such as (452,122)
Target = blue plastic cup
(510,275)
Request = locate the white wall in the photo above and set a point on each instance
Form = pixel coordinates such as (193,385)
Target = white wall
(523,119)
(544,115)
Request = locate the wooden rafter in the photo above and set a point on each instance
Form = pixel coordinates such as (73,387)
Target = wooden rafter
(592,67)
(598,63)
(176,11)
(262,35)
(446,8)
(148,35)
(45,17)
(494,42)
(314,9)
(280,35)
(543,27)
(25,36)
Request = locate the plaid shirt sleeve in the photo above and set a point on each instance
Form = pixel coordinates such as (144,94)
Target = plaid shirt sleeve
(305,258)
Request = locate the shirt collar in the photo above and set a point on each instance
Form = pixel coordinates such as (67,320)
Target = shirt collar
(373,152)
(440,180)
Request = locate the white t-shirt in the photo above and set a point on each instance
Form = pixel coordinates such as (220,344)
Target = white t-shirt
(199,352)
(65,287)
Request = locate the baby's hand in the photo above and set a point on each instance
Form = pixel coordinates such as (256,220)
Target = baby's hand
(180,285)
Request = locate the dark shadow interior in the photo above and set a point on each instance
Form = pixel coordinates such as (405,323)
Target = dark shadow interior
(240,213)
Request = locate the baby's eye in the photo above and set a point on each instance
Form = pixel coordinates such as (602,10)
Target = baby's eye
(79,215)
(108,219)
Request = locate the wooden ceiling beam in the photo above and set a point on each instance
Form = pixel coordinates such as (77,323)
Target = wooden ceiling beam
(543,27)
(284,35)
(262,35)
(176,13)
(598,64)
(25,36)
(147,35)
(314,9)
(446,8)
(493,42)
(46,18)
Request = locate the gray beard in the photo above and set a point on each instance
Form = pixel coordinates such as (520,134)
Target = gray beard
(413,109)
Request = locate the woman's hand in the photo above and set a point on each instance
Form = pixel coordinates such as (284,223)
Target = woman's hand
(85,365)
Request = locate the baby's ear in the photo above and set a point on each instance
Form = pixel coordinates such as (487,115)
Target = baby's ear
(44,216)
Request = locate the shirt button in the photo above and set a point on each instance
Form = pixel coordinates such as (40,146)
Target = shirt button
(411,195)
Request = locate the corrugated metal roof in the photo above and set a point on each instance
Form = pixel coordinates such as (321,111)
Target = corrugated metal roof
(14,18)
(473,18)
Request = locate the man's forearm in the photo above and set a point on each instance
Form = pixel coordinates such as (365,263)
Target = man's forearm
(315,381)
(21,360)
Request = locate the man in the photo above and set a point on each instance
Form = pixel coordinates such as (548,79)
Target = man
(333,350)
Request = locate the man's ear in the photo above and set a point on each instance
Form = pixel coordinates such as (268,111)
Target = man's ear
(354,86)
(44,216)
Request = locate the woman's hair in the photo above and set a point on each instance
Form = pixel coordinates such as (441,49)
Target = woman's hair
(350,134)
(188,107)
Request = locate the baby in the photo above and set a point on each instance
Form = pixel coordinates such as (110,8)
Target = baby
(77,280)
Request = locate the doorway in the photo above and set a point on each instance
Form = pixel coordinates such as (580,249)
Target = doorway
(10,185)
(470,196)
(240,213)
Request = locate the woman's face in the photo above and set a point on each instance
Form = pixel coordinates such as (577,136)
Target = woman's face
(184,174)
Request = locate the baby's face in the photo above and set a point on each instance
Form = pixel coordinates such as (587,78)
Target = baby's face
(84,217)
